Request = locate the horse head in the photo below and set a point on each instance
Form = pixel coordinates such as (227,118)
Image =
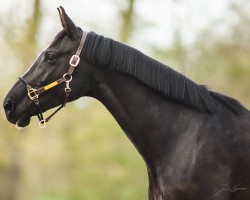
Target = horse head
(50,81)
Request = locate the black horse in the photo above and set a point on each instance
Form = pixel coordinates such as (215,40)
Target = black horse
(195,142)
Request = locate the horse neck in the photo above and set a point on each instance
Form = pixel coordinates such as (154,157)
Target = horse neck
(145,116)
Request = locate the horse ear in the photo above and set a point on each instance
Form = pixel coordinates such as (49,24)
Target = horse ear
(67,23)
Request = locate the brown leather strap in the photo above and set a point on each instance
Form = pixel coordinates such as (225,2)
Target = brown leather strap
(76,58)
(79,50)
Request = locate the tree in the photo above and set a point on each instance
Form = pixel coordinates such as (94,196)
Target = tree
(11,167)
(127,16)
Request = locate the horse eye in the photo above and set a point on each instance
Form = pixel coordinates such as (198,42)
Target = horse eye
(50,56)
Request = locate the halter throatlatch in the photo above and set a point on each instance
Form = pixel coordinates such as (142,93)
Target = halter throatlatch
(33,93)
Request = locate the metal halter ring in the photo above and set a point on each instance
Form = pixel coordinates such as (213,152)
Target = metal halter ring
(42,123)
(67,77)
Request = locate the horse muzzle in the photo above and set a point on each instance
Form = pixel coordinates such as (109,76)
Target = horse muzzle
(12,115)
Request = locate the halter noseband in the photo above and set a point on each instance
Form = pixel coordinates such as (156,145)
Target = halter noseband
(33,93)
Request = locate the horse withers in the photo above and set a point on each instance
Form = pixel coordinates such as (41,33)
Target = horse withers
(195,142)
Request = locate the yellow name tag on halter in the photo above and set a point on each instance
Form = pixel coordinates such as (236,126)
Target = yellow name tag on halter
(50,85)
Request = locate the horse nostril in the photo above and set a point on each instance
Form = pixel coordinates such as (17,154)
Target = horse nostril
(8,106)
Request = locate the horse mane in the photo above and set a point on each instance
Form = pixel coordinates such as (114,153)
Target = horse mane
(117,56)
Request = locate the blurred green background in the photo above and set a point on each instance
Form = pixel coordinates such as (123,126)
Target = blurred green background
(83,154)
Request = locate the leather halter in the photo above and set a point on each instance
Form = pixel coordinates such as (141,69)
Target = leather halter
(33,93)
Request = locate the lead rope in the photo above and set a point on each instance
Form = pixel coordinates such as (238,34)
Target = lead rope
(33,94)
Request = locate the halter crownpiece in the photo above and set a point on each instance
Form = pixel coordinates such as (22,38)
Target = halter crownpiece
(33,93)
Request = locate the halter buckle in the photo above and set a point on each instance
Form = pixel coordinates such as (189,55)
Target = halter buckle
(74,61)
(32,94)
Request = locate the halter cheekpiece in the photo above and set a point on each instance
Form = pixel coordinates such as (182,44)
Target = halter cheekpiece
(33,93)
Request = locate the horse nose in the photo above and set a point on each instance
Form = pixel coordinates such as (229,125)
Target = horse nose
(8,106)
